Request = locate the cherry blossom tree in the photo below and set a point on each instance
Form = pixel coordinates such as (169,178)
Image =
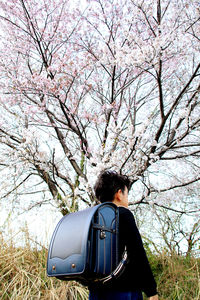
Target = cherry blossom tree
(100,85)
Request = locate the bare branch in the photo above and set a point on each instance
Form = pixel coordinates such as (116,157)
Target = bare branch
(16,187)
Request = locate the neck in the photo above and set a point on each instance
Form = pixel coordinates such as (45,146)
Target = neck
(118,203)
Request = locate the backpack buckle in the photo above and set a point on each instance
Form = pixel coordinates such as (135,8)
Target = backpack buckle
(102,234)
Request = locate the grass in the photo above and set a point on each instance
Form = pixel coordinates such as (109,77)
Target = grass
(23,275)
(178,277)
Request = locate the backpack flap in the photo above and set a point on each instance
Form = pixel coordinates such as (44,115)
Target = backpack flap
(84,245)
(67,254)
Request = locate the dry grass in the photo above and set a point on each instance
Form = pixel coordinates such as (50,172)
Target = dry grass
(178,277)
(23,276)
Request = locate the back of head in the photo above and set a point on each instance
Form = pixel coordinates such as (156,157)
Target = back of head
(108,183)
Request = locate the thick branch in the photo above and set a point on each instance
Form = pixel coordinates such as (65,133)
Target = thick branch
(110,110)
(65,148)
(159,79)
(164,120)
(46,177)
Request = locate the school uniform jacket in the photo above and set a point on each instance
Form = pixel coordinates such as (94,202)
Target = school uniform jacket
(137,275)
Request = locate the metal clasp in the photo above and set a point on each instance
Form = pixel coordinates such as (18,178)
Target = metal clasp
(102,234)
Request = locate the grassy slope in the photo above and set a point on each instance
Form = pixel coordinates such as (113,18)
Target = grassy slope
(23,276)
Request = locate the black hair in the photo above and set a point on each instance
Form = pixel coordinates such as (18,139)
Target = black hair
(108,183)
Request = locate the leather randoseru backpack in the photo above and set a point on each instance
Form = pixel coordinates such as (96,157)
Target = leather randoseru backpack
(84,246)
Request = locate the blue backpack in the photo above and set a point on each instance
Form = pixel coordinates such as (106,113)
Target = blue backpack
(84,246)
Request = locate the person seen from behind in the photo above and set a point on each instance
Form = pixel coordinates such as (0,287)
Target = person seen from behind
(137,277)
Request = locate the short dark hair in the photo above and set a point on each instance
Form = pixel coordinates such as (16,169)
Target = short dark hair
(108,183)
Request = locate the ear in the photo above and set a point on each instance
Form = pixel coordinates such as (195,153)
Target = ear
(118,195)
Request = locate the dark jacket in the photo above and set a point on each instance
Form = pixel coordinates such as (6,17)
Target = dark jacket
(137,275)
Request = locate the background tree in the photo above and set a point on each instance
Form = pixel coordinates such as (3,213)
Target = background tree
(111,85)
